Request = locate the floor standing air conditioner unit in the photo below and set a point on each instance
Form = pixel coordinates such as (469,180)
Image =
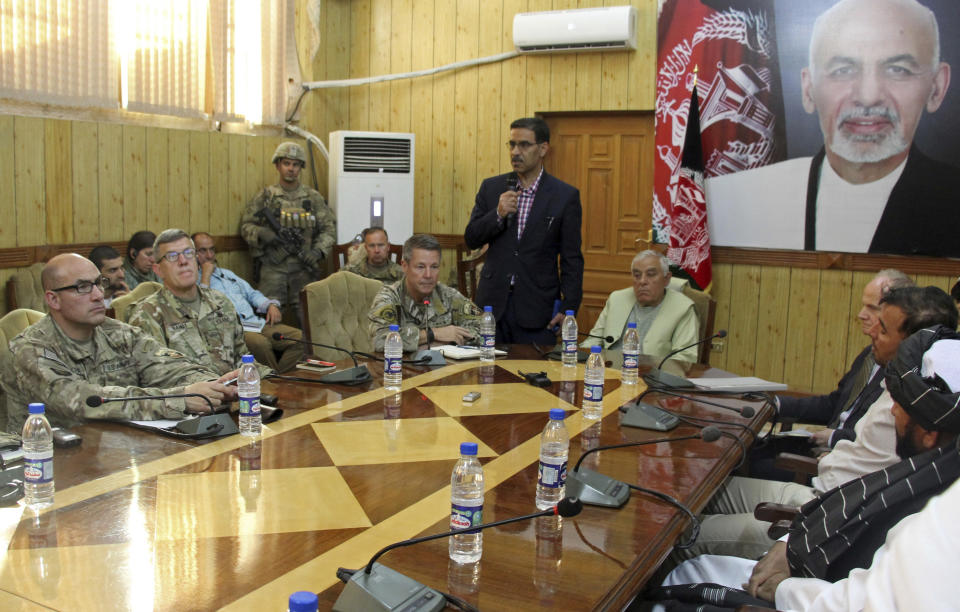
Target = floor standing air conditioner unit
(371,183)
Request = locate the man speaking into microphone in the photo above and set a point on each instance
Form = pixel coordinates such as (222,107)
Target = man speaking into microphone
(425,309)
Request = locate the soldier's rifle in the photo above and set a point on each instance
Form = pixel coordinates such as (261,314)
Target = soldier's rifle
(290,239)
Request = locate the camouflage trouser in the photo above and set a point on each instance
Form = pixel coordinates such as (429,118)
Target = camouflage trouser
(283,282)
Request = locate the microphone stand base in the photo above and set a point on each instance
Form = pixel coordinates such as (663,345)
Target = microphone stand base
(659,378)
(646,416)
(385,589)
(357,375)
(209,425)
(597,489)
(435,357)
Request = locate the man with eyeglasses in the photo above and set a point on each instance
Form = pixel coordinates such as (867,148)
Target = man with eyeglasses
(76,351)
(200,323)
(529,219)
(259,315)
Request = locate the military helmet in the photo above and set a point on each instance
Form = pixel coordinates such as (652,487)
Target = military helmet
(290,150)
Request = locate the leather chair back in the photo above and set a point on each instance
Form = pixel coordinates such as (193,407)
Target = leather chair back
(11,324)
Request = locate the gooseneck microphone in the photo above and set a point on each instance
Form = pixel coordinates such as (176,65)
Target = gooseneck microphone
(607,339)
(660,378)
(199,426)
(599,490)
(357,375)
(377,587)
(428,356)
(746,411)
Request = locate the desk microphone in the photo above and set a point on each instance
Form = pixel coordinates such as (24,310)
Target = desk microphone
(607,339)
(204,425)
(746,411)
(599,490)
(377,587)
(664,379)
(357,375)
(428,356)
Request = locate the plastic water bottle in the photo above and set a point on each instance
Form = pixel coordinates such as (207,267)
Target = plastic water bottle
(554,450)
(248,389)
(37,459)
(631,355)
(393,359)
(488,333)
(593,385)
(569,335)
(303,601)
(466,505)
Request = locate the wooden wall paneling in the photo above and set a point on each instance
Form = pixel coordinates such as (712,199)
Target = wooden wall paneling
(722,291)
(110,161)
(832,325)
(464,135)
(928,280)
(490,134)
(238,193)
(178,188)
(28,141)
(58,174)
(359,63)
(563,72)
(513,84)
(219,220)
(337,67)
(589,79)
(539,71)
(800,353)
(401,44)
(774,307)
(255,163)
(642,64)
(268,171)
(742,330)
(856,339)
(613,80)
(380,51)
(198,215)
(445,121)
(86,192)
(134,180)
(8,194)
(158,180)
(421,120)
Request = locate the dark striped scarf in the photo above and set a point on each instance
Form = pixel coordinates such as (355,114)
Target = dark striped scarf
(842,528)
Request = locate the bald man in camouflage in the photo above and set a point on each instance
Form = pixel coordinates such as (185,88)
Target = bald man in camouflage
(290,230)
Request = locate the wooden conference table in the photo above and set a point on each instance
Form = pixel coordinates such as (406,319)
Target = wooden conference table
(146,522)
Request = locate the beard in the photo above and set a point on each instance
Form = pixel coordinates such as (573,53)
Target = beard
(906,447)
(868,148)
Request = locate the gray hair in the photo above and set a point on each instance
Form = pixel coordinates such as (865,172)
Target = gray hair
(420,241)
(891,278)
(171,235)
(821,23)
(664,261)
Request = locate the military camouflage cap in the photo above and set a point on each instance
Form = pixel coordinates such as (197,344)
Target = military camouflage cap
(290,150)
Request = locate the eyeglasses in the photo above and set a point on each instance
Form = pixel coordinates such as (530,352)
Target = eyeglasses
(523,145)
(206,249)
(84,286)
(174,255)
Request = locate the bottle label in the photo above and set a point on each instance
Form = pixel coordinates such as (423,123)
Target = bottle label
(489,340)
(593,393)
(392,365)
(38,467)
(462,517)
(569,346)
(553,475)
(630,361)
(249,406)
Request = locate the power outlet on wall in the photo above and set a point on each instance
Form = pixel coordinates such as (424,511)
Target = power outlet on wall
(716,346)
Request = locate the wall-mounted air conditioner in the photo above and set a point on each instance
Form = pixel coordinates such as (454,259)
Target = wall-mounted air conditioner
(606,28)
(371,183)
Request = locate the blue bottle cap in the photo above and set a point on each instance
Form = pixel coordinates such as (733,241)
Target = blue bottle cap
(631,325)
(468,448)
(394,328)
(595,349)
(248,358)
(558,414)
(303,601)
(569,313)
(488,309)
(35,408)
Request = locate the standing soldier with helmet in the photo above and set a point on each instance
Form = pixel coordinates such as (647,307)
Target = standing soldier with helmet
(290,230)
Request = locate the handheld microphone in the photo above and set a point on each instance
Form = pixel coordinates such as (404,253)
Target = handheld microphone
(607,339)
(599,490)
(746,411)
(375,585)
(204,425)
(664,379)
(513,184)
(357,375)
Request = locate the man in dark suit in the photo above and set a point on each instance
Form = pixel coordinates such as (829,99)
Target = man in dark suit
(528,218)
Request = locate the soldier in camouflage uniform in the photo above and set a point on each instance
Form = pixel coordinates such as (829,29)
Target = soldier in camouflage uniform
(288,259)
(377,264)
(424,309)
(200,323)
(75,352)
